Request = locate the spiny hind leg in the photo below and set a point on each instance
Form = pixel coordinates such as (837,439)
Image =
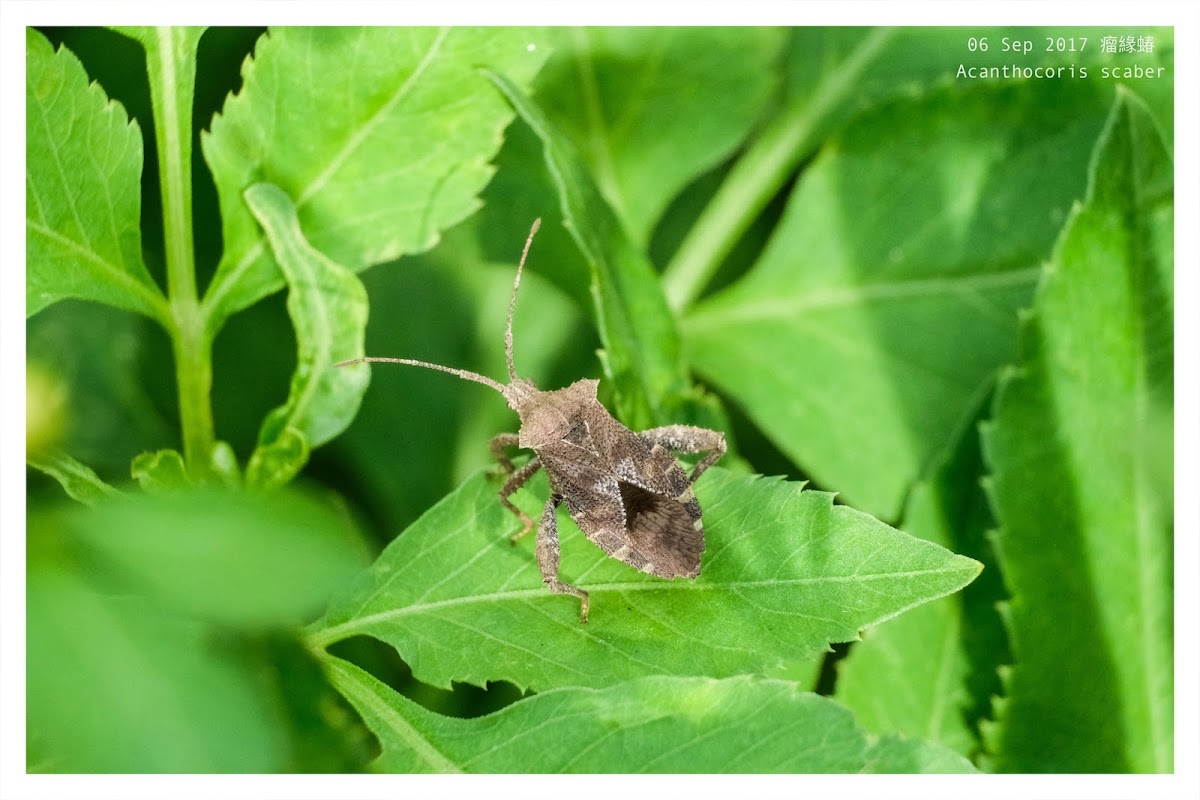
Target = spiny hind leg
(690,439)
(515,481)
(547,557)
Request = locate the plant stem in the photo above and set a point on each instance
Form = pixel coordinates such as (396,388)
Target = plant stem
(754,180)
(762,171)
(171,66)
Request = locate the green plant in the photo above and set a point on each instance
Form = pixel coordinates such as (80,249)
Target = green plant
(849,241)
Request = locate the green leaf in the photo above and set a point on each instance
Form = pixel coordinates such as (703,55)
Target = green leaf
(382,136)
(889,755)
(651,725)
(328,307)
(1081,452)
(623,95)
(115,684)
(931,672)
(832,74)
(886,299)
(275,463)
(249,560)
(835,73)
(909,675)
(78,480)
(785,573)
(160,471)
(641,344)
(82,190)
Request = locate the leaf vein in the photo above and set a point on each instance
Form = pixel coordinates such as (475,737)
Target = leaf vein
(346,629)
(421,745)
(155,304)
(540,656)
(361,135)
(833,297)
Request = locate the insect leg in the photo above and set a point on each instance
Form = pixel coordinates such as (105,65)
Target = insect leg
(547,556)
(690,439)
(497,445)
(515,481)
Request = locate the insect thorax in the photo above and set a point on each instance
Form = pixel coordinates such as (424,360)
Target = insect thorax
(550,416)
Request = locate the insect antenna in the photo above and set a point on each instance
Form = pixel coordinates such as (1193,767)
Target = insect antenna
(462,373)
(512,304)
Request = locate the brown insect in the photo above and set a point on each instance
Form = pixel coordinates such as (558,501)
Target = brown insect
(625,490)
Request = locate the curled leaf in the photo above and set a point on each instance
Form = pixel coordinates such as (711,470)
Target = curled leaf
(328,307)
(162,470)
(78,480)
